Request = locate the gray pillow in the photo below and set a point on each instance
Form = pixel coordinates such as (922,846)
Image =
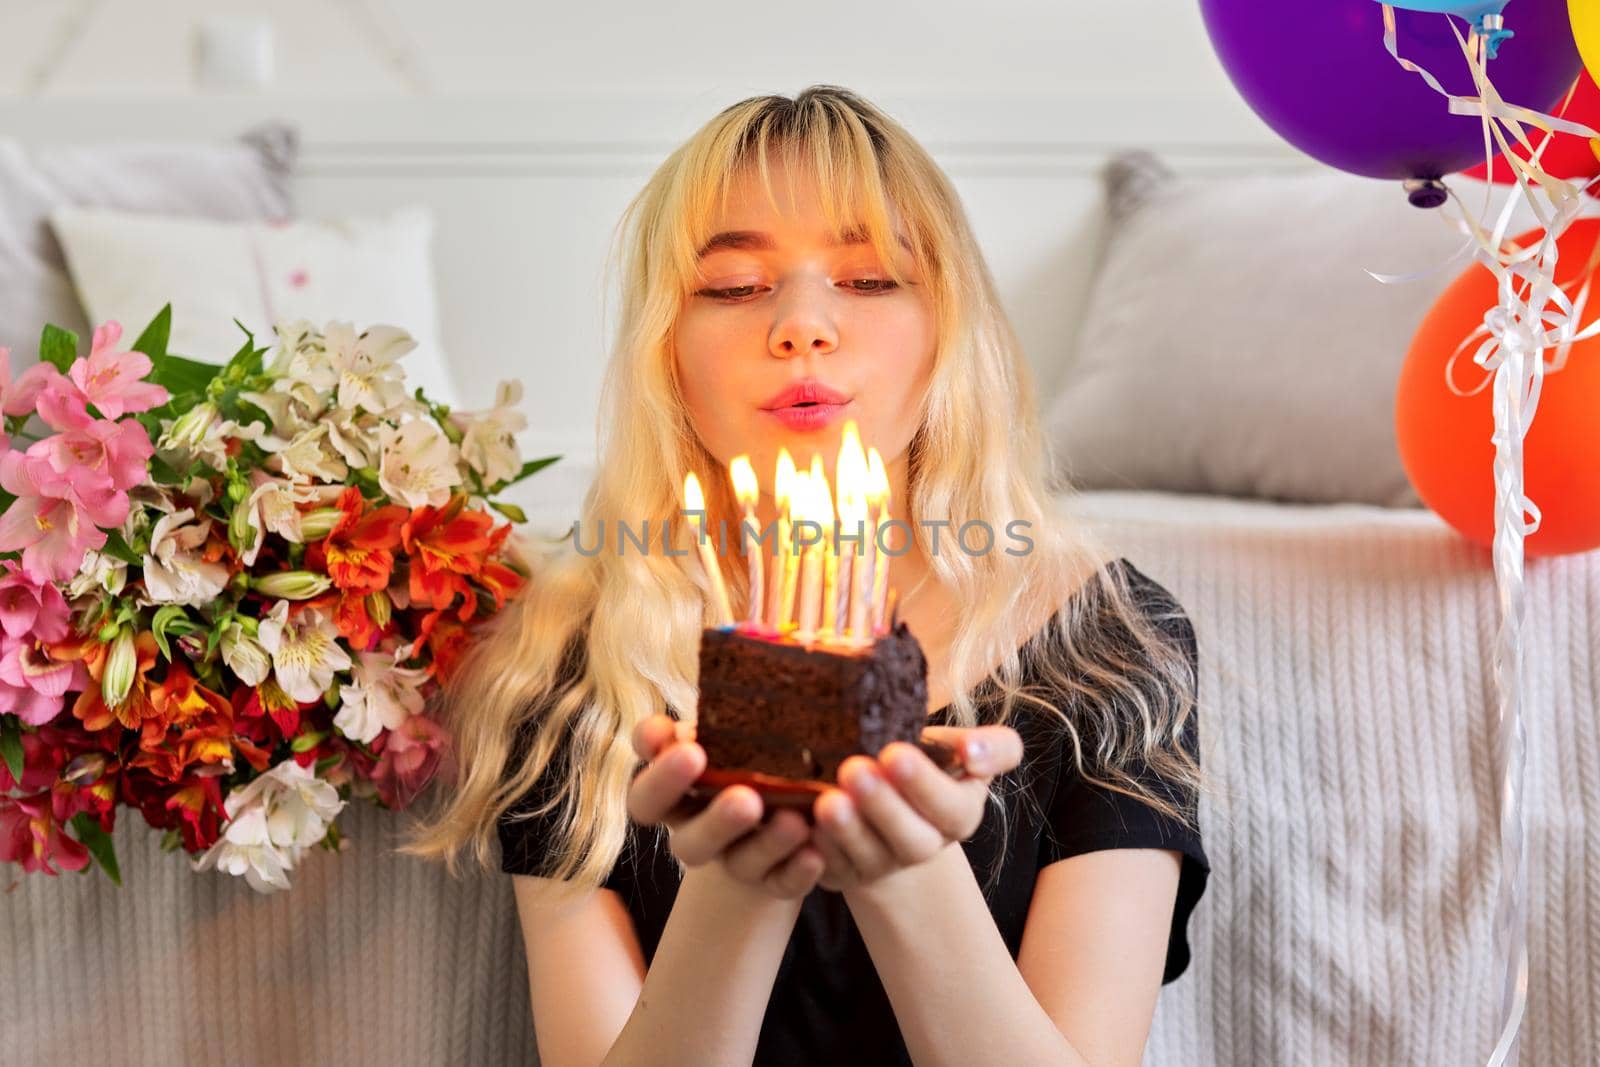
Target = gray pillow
(244,179)
(1234,344)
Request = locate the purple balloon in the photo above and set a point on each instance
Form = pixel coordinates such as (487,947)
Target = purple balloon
(1318,73)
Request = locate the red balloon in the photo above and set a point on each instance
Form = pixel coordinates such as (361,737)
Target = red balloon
(1446,441)
(1568,156)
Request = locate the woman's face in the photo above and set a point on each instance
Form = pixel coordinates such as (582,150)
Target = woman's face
(779,304)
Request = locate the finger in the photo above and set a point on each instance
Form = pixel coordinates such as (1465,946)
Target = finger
(755,857)
(796,875)
(651,735)
(841,820)
(657,788)
(909,838)
(986,751)
(839,871)
(952,806)
(733,813)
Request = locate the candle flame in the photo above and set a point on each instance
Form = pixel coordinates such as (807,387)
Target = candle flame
(744,481)
(784,479)
(693,498)
(877,478)
(853,475)
(821,496)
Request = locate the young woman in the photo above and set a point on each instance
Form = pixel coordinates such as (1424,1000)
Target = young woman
(1026,914)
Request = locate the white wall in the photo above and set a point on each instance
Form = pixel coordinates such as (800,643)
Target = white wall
(1114,49)
(527,127)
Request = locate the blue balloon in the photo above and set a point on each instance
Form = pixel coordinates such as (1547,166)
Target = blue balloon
(1486,16)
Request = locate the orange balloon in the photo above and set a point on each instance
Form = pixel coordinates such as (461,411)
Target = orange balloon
(1446,441)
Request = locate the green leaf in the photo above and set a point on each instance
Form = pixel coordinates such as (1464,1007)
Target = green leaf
(164,472)
(533,466)
(99,844)
(153,341)
(308,741)
(171,841)
(180,375)
(11,745)
(510,511)
(117,548)
(6,500)
(58,347)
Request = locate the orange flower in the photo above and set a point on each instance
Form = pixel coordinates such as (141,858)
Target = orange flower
(447,640)
(358,553)
(90,707)
(446,546)
(204,720)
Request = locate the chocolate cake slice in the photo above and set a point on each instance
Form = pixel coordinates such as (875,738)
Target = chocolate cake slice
(776,708)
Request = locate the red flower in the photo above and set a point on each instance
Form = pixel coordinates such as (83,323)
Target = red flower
(31,835)
(358,553)
(135,708)
(447,640)
(446,546)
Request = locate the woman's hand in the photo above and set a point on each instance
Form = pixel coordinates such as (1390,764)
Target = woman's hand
(900,809)
(774,856)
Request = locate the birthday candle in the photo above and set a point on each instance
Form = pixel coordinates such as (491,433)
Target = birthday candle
(830,556)
(747,490)
(694,500)
(781,487)
(807,505)
(853,477)
(878,478)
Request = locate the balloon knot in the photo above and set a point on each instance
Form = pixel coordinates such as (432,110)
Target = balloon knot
(1426,192)
(1492,28)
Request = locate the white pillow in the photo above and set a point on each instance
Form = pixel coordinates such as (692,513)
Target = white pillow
(365,271)
(1234,344)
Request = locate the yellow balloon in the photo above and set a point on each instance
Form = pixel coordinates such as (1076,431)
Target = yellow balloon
(1586,28)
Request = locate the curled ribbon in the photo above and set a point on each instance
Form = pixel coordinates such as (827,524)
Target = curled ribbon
(1534,315)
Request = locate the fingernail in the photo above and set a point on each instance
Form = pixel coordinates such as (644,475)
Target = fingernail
(864,781)
(977,748)
(903,766)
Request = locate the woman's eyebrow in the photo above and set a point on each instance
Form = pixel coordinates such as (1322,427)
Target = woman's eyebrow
(757,241)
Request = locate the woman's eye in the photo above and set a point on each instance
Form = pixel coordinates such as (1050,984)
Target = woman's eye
(740,292)
(880,285)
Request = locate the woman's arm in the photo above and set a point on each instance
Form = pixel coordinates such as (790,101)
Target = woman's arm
(707,989)
(1081,992)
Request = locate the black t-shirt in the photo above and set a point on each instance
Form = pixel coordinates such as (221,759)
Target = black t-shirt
(827,1003)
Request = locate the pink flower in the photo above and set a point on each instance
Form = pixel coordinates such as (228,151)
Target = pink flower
(21,396)
(30,835)
(112,380)
(409,759)
(41,762)
(32,685)
(30,608)
(55,518)
(101,455)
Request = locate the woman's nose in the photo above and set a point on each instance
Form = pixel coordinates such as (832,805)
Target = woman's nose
(803,326)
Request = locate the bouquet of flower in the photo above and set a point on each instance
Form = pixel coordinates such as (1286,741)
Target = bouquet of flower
(227,592)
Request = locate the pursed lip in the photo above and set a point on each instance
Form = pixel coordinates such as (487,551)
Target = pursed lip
(805,391)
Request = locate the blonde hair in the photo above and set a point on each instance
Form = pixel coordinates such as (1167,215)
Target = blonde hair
(597,642)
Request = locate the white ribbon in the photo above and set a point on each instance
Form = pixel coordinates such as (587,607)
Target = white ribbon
(1534,314)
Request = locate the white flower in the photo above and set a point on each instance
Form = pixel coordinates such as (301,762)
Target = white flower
(354,435)
(309,457)
(419,464)
(305,651)
(272,507)
(244,655)
(300,808)
(201,434)
(293,404)
(489,443)
(245,848)
(368,365)
(99,571)
(382,695)
(272,820)
(173,573)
